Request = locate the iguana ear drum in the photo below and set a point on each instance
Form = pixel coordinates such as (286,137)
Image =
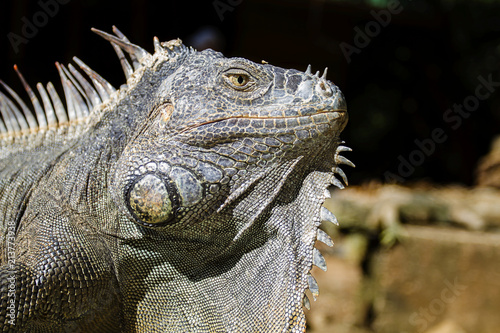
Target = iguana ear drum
(151,200)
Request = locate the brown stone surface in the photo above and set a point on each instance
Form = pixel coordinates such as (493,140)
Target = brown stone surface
(374,205)
(438,280)
(488,169)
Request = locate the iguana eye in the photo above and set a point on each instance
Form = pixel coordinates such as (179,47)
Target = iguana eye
(239,80)
(150,201)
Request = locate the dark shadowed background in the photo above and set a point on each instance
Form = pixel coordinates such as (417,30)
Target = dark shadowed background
(400,65)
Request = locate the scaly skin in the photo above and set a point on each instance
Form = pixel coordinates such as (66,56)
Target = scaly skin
(188,201)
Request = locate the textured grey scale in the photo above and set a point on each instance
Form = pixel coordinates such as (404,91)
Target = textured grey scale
(3,129)
(171,54)
(127,69)
(84,103)
(308,70)
(324,238)
(26,111)
(7,117)
(17,114)
(133,57)
(90,92)
(180,48)
(337,183)
(157,45)
(13,117)
(313,286)
(104,88)
(318,259)
(136,52)
(343,148)
(327,216)
(81,108)
(341,173)
(342,160)
(81,105)
(40,114)
(100,88)
(61,113)
(306,302)
(47,105)
(70,104)
(15,123)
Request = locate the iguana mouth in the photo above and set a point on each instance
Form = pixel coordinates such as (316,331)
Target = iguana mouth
(306,119)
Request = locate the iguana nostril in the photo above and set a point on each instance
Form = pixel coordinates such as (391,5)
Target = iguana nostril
(325,88)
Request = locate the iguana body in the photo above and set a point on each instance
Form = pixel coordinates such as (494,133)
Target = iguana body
(188,200)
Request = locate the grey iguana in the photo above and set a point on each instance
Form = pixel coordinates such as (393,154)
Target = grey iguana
(188,200)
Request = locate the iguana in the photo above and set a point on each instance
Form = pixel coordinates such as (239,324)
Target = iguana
(188,200)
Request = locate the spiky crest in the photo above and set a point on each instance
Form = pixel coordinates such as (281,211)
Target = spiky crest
(82,95)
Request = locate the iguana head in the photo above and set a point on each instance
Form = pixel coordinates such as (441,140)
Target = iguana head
(223,179)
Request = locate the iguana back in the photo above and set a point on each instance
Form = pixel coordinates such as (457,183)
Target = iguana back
(189,200)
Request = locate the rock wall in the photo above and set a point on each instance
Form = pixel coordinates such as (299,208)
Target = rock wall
(403,262)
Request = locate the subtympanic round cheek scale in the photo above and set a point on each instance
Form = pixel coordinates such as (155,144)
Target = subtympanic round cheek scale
(150,201)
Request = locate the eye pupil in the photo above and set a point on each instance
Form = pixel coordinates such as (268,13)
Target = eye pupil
(241,79)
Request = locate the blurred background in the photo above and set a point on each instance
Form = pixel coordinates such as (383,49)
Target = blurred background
(421,79)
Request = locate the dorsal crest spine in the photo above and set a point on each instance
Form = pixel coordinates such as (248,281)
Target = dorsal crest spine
(81,94)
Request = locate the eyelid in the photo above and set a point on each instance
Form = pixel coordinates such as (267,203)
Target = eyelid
(236,70)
